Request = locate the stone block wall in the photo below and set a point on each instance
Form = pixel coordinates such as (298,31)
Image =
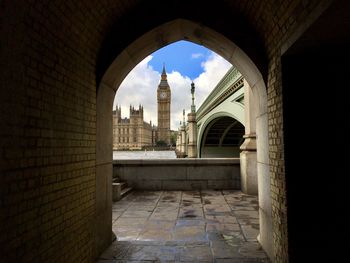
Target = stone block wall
(179,174)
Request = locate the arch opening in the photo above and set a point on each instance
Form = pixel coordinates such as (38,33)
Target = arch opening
(170,32)
(183,63)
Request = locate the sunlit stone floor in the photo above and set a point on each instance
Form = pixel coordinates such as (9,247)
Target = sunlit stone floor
(185,226)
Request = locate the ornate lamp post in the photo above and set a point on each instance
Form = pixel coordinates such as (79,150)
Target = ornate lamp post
(193,107)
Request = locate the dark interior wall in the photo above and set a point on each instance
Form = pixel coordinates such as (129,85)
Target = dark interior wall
(314,152)
(315,75)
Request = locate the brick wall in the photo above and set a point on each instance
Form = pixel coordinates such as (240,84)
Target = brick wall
(278,22)
(48,128)
(287,17)
(48,71)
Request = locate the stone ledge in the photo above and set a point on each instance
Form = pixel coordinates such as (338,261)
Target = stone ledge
(179,174)
(175,162)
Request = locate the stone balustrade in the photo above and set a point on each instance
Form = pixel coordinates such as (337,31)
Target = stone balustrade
(179,174)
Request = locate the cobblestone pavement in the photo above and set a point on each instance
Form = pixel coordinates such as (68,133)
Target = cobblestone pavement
(185,226)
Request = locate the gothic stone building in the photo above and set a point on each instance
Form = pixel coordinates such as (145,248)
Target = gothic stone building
(132,133)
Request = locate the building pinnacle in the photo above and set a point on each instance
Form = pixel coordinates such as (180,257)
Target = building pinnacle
(183,116)
(164,76)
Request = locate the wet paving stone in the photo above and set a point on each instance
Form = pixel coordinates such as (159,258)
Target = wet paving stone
(185,226)
(252,249)
(196,253)
(250,232)
(160,224)
(169,205)
(221,218)
(170,197)
(127,234)
(193,222)
(224,249)
(115,250)
(212,209)
(121,208)
(154,234)
(243,208)
(247,214)
(130,222)
(191,212)
(189,233)
(154,253)
(241,260)
(136,213)
(248,221)
(164,216)
(138,207)
(116,215)
(217,227)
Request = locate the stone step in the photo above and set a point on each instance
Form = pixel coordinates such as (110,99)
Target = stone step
(119,190)
(126,191)
(116,179)
(123,185)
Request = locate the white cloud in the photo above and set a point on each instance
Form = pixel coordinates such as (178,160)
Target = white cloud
(197,55)
(214,69)
(140,87)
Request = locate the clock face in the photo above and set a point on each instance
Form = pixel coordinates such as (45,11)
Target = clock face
(163,95)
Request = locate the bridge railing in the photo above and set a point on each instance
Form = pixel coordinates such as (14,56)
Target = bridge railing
(227,81)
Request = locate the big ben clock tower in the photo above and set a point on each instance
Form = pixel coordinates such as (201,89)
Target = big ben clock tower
(164,100)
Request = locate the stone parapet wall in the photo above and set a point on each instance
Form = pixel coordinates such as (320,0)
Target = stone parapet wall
(180,174)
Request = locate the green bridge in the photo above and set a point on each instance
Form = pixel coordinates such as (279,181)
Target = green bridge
(217,128)
(220,119)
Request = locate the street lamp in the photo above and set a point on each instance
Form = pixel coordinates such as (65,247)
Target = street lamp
(193,107)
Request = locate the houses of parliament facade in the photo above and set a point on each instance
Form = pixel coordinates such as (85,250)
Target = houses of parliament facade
(134,133)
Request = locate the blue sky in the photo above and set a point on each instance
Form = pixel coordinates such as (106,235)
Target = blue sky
(184,62)
(182,56)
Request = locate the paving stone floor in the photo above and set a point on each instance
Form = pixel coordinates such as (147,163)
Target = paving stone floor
(185,226)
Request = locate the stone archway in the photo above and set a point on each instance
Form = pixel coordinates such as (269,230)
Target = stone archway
(168,33)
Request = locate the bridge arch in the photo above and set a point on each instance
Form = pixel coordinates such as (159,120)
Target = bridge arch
(221,137)
(158,37)
(206,123)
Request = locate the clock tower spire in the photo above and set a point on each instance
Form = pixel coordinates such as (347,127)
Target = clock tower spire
(164,75)
(164,102)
